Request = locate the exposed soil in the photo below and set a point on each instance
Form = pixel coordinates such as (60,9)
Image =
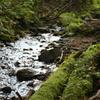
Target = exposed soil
(78,43)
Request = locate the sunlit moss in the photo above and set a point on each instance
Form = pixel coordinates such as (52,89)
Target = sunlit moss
(6,37)
(74,78)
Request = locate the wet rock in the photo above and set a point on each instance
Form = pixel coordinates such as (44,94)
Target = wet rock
(49,56)
(57,33)
(43,30)
(41,45)
(43,41)
(2,44)
(45,67)
(30,49)
(12,73)
(30,84)
(41,76)
(25,49)
(3,67)
(33,31)
(17,64)
(6,89)
(25,74)
(8,44)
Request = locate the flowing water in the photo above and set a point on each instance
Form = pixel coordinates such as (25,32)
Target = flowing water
(25,52)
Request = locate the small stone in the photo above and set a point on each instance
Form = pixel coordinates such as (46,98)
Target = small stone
(30,84)
(17,64)
(6,89)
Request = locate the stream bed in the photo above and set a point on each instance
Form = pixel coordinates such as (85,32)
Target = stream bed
(24,54)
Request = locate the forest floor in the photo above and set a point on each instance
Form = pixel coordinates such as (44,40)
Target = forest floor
(78,43)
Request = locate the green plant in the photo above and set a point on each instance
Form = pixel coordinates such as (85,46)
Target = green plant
(70,21)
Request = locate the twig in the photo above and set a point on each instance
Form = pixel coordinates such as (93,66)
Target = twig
(96,96)
(60,57)
(19,96)
(28,95)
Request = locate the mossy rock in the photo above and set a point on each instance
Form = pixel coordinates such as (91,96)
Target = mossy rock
(6,37)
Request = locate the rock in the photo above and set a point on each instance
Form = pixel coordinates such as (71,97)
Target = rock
(12,72)
(2,44)
(25,74)
(57,33)
(49,56)
(8,44)
(30,84)
(41,76)
(6,89)
(17,64)
(43,30)
(33,31)
(25,49)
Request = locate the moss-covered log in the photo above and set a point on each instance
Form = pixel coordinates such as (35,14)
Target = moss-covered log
(81,79)
(76,73)
(52,88)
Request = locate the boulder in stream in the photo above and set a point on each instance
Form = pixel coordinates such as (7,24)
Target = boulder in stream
(25,74)
(6,89)
(49,56)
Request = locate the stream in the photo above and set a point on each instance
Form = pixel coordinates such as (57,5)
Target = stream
(23,54)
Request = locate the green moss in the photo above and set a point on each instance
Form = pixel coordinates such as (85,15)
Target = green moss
(6,37)
(75,74)
(52,88)
(22,33)
(81,79)
(78,85)
(71,22)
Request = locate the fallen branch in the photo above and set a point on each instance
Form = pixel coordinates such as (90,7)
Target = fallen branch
(60,57)
(60,9)
(97,96)
(28,95)
(19,96)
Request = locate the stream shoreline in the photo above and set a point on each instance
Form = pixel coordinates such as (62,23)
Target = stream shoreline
(68,45)
(19,62)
